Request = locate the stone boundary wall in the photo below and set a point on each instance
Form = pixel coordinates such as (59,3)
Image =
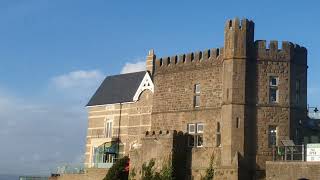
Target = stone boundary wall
(90,174)
(292,170)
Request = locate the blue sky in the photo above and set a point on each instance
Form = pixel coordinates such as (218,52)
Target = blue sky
(54,53)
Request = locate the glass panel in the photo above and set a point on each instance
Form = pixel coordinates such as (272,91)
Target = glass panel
(273,81)
(272,136)
(218,127)
(191,128)
(191,140)
(197,89)
(273,95)
(197,101)
(199,140)
(199,128)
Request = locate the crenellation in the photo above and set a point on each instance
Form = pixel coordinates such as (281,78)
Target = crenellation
(237,24)
(271,51)
(159,133)
(198,56)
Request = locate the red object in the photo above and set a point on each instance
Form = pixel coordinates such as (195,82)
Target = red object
(127,167)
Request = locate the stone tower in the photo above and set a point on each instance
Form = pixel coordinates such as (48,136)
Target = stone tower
(239,40)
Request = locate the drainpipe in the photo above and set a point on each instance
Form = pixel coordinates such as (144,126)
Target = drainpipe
(118,139)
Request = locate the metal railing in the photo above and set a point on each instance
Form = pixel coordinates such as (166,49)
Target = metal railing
(70,169)
(289,153)
(102,165)
(314,115)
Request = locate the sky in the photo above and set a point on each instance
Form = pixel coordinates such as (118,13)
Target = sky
(55,53)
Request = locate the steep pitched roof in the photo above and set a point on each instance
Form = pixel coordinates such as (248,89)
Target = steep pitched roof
(117,89)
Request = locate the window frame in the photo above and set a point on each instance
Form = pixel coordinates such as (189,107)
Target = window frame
(196,96)
(195,135)
(194,125)
(272,135)
(108,128)
(273,87)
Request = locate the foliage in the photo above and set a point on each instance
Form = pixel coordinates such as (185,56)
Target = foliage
(210,170)
(149,173)
(132,174)
(119,170)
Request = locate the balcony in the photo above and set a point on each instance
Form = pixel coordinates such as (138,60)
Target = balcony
(102,165)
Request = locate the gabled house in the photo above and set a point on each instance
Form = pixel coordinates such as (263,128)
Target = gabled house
(119,113)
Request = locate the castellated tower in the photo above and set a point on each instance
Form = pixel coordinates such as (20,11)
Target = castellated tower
(238,43)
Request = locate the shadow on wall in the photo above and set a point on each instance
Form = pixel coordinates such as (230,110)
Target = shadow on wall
(181,156)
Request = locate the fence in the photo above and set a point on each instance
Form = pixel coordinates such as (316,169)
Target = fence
(289,153)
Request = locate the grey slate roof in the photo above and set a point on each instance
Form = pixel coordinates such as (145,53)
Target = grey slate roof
(117,89)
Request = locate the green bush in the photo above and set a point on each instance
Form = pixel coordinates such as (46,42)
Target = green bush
(148,172)
(118,171)
(210,170)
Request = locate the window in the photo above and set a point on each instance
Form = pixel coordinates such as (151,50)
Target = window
(108,129)
(218,135)
(199,128)
(272,136)
(237,122)
(273,89)
(298,90)
(196,100)
(191,128)
(195,131)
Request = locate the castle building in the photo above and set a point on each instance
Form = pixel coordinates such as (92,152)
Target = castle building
(233,103)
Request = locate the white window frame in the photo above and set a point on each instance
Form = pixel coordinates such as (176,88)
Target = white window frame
(108,129)
(200,124)
(195,134)
(194,127)
(197,88)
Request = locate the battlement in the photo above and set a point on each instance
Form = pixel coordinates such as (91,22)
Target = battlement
(160,133)
(272,50)
(236,24)
(199,56)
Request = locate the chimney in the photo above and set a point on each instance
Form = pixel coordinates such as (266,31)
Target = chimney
(150,61)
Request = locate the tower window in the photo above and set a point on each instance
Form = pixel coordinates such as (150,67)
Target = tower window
(196,98)
(237,122)
(272,136)
(218,135)
(273,89)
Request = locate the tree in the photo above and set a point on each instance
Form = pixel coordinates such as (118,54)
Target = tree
(119,170)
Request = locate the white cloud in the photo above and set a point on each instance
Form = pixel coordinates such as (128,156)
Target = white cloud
(133,67)
(77,79)
(77,84)
(32,137)
(49,130)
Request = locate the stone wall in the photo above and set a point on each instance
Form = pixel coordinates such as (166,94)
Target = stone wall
(91,174)
(292,170)
(170,147)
